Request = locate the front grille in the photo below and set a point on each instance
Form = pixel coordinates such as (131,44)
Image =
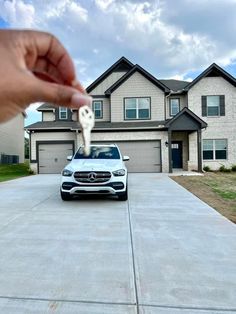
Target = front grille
(92,176)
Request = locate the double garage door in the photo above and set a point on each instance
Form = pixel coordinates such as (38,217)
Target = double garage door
(145,156)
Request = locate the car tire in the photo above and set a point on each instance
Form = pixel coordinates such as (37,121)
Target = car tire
(123,196)
(65,196)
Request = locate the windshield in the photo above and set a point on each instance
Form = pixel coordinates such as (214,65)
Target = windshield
(99,152)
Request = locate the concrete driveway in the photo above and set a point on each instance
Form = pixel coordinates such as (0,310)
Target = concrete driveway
(163,252)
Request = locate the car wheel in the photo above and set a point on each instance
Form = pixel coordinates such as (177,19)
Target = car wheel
(65,196)
(123,196)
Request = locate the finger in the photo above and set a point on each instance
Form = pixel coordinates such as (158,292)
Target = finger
(49,47)
(42,66)
(59,94)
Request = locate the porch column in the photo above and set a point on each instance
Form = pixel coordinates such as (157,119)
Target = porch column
(170,151)
(199,149)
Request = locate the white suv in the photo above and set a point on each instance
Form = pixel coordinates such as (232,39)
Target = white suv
(102,172)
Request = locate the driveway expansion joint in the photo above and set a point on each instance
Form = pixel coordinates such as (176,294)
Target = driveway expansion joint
(196,308)
(133,258)
(67,301)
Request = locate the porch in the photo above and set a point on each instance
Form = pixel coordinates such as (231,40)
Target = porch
(185,141)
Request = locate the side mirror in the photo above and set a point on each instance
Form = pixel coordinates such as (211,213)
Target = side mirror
(125,158)
(69,158)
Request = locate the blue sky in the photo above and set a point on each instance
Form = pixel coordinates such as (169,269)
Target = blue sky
(170,39)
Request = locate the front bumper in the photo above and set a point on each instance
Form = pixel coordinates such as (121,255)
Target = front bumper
(112,187)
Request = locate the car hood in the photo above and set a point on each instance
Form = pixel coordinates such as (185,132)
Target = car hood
(95,165)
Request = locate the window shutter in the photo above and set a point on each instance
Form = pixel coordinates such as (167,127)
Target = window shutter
(222,105)
(56,114)
(69,114)
(204,106)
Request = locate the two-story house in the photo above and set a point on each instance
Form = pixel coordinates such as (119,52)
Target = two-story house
(12,136)
(160,124)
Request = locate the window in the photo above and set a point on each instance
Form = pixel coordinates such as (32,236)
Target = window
(214,149)
(97,109)
(63,113)
(213,106)
(137,108)
(174,106)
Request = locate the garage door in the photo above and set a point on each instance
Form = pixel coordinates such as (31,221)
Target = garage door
(145,156)
(52,157)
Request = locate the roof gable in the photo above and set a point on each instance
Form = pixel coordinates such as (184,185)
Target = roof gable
(139,69)
(186,120)
(212,71)
(121,65)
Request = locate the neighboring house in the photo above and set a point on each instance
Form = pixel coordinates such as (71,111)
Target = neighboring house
(160,124)
(12,140)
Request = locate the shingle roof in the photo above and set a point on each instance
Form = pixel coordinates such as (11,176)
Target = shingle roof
(52,125)
(44,125)
(187,111)
(129,125)
(175,85)
(46,106)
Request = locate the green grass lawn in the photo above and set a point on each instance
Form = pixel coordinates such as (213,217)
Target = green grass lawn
(9,172)
(218,189)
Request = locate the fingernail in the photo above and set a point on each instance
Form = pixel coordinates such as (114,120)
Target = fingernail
(81,100)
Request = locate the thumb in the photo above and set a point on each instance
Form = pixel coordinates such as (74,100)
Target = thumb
(59,94)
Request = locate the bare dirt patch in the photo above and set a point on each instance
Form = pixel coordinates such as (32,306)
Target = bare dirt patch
(216,189)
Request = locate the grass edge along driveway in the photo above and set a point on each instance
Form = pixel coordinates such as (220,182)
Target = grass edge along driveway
(217,189)
(14,171)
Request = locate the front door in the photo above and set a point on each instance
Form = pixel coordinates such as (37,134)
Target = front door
(177,155)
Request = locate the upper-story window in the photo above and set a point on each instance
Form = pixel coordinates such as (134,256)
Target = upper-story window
(63,113)
(174,106)
(137,108)
(97,109)
(214,149)
(213,106)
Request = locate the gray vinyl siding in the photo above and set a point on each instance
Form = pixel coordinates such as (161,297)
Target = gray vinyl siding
(48,116)
(137,86)
(12,137)
(105,109)
(75,115)
(106,83)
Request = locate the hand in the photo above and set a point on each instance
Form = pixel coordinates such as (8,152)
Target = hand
(34,66)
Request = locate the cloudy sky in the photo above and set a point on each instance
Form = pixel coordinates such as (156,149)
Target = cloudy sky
(170,39)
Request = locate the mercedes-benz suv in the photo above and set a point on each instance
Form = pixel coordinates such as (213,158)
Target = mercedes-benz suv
(101,172)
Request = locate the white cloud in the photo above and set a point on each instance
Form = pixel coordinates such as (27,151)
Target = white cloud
(167,38)
(18,13)
(104,4)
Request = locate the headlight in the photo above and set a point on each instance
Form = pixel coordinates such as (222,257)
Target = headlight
(67,173)
(120,172)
